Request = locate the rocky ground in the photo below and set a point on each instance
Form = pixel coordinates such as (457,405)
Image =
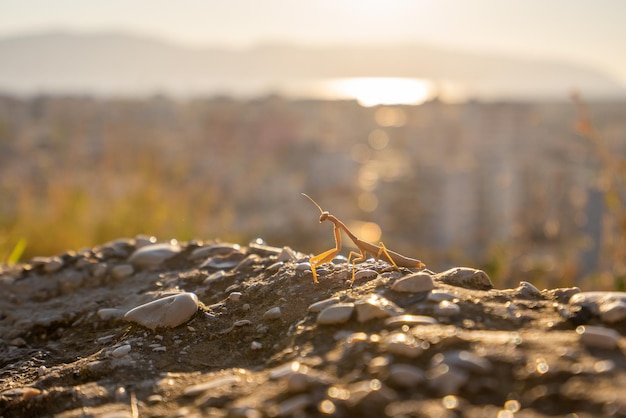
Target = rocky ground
(137,328)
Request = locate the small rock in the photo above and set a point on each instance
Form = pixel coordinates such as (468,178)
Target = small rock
(153,255)
(53,264)
(410,320)
(600,337)
(335,314)
(463,359)
(107,314)
(414,283)
(294,406)
(287,254)
(527,290)
(446,380)
(272,314)
(168,312)
(447,308)
(439,295)
(405,375)
(234,296)
(465,277)
(121,351)
(375,306)
(611,306)
(613,311)
(275,267)
(122,271)
(303,266)
(224,262)
(365,274)
(70,280)
(255,345)
(402,344)
(318,306)
(198,389)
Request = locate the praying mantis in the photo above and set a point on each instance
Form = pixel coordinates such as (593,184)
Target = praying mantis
(378,251)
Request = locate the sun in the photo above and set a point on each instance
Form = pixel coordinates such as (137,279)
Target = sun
(374,91)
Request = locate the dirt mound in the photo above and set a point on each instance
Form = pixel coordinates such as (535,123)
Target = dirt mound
(266,341)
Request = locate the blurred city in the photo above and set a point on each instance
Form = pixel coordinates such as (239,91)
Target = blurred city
(515,188)
(479,133)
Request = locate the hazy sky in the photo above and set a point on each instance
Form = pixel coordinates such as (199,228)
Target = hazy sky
(582,31)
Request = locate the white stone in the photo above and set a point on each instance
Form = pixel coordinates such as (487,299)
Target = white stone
(402,344)
(375,306)
(611,306)
(594,336)
(613,311)
(121,351)
(335,314)
(405,375)
(414,283)
(447,308)
(122,271)
(466,277)
(365,274)
(153,255)
(168,312)
(107,314)
(319,306)
(410,320)
(198,389)
(272,314)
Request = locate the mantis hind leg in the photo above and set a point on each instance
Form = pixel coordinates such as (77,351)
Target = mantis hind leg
(382,250)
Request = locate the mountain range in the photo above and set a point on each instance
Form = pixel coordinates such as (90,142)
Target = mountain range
(126,64)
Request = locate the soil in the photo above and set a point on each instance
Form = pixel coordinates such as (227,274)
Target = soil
(66,351)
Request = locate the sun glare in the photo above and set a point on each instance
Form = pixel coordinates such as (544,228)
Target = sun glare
(374,91)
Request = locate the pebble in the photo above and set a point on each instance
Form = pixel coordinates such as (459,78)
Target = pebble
(107,314)
(374,307)
(466,277)
(294,406)
(121,351)
(611,306)
(235,296)
(70,280)
(463,359)
(446,380)
(527,290)
(410,320)
(151,256)
(122,271)
(272,314)
(402,344)
(195,390)
(318,306)
(224,262)
(287,254)
(167,312)
(613,311)
(600,337)
(213,249)
(405,375)
(335,314)
(365,274)
(414,283)
(447,308)
(53,264)
(439,295)
(303,266)
(255,345)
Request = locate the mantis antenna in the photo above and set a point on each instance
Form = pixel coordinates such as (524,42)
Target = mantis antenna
(315,203)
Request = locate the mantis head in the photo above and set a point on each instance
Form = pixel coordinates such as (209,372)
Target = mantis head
(323,214)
